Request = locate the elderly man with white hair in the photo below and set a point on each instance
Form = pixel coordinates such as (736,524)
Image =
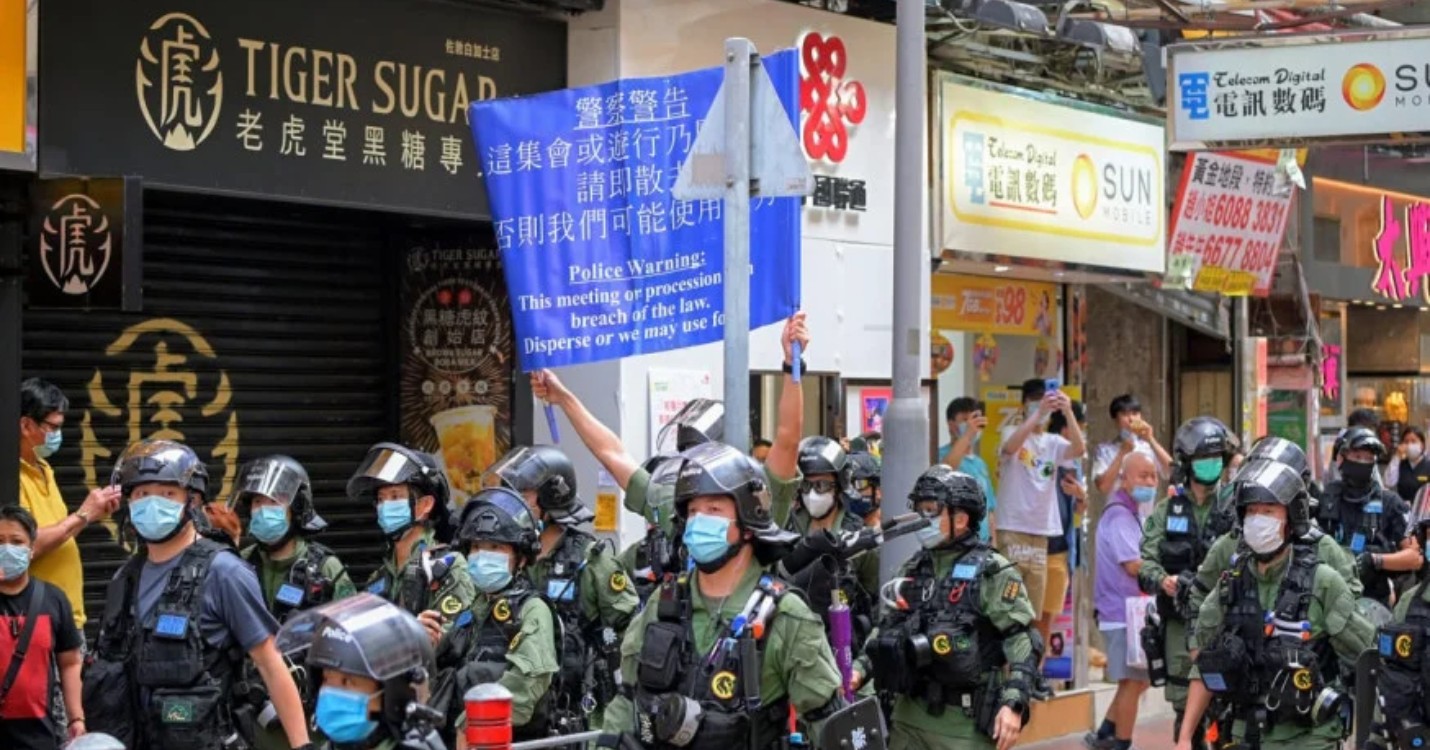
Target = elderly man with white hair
(1119,558)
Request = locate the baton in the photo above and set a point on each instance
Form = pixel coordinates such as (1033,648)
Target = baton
(794,354)
(551,425)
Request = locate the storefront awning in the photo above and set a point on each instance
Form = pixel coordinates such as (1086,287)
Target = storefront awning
(1210,315)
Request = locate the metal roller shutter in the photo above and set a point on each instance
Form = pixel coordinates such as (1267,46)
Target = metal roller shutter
(266,329)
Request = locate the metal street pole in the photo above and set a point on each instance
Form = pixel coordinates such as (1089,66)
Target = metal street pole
(739,54)
(906,424)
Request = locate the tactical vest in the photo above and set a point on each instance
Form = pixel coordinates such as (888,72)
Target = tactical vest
(941,650)
(655,558)
(1184,543)
(1287,673)
(158,684)
(1361,527)
(426,568)
(588,650)
(474,652)
(725,681)
(304,587)
(1404,671)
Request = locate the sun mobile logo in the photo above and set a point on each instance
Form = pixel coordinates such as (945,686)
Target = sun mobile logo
(178,81)
(1363,87)
(829,100)
(1084,185)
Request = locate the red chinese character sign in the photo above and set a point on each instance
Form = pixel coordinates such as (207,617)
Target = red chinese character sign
(1228,225)
(1402,252)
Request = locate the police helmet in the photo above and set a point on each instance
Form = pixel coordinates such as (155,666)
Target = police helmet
(654,462)
(1204,437)
(702,420)
(163,461)
(1272,482)
(822,455)
(548,472)
(283,479)
(864,467)
(388,464)
(1282,451)
(367,636)
(1361,438)
(954,489)
(720,469)
(498,514)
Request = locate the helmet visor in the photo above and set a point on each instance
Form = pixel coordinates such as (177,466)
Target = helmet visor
(369,636)
(270,479)
(383,465)
(702,415)
(520,470)
(155,461)
(1265,481)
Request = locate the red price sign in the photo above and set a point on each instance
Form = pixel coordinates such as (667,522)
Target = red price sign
(1228,224)
(1012,305)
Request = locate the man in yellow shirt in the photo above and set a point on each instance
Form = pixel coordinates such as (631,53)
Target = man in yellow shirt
(56,555)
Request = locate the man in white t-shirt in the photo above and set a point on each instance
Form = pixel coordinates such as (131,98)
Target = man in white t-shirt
(1133,434)
(1028,460)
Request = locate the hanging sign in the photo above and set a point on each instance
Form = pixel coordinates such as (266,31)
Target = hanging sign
(1227,225)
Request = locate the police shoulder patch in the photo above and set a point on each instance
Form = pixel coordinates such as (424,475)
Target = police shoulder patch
(515,641)
(1011,589)
(450,605)
(722,685)
(619,582)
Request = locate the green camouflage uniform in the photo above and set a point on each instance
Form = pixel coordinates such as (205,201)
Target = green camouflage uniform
(1333,615)
(531,661)
(453,593)
(796,663)
(1003,600)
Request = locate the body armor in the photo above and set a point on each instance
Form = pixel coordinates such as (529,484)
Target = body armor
(589,652)
(1360,527)
(1185,543)
(305,586)
(474,652)
(1290,677)
(942,649)
(157,683)
(421,578)
(1404,671)
(724,684)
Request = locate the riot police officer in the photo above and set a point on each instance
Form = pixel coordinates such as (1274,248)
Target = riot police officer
(411,496)
(369,662)
(178,618)
(1228,547)
(825,495)
(650,559)
(579,576)
(867,498)
(717,658)
(956,615)
(1404,648)
(1177,535)
(509,635)
(1273,628)
(1365,518)
(295,573)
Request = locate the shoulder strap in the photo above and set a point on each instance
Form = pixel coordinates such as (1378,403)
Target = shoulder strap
(1294,601)
(32,613)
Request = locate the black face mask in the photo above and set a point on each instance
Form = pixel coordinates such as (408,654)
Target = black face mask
(1356,474)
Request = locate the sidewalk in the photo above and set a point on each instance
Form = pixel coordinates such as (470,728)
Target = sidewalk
(1153,733)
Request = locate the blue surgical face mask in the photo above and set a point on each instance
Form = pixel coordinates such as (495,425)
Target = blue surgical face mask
(269,524)
(155,517)
(53,440)
(930,536)
(14,561)
(962,429)
(342,714)
(1207,470)
(706,537)
(1143,494)
(491,571)
(394,515)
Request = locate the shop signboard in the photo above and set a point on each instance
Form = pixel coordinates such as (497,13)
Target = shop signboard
(602,262)
(17,99)
(352,102)
(1402,250)
(456,387)
(86,244)
(1038,177)
(992,305)
(1227,225)
(1351,87)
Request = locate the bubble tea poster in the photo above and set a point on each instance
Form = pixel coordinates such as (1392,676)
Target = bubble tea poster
(457,357)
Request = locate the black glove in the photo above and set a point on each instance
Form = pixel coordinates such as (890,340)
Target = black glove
(1365,565)
(810,548)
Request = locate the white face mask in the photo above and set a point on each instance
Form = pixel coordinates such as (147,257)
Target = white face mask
(818,503)
(1414,451)
(1262,533)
